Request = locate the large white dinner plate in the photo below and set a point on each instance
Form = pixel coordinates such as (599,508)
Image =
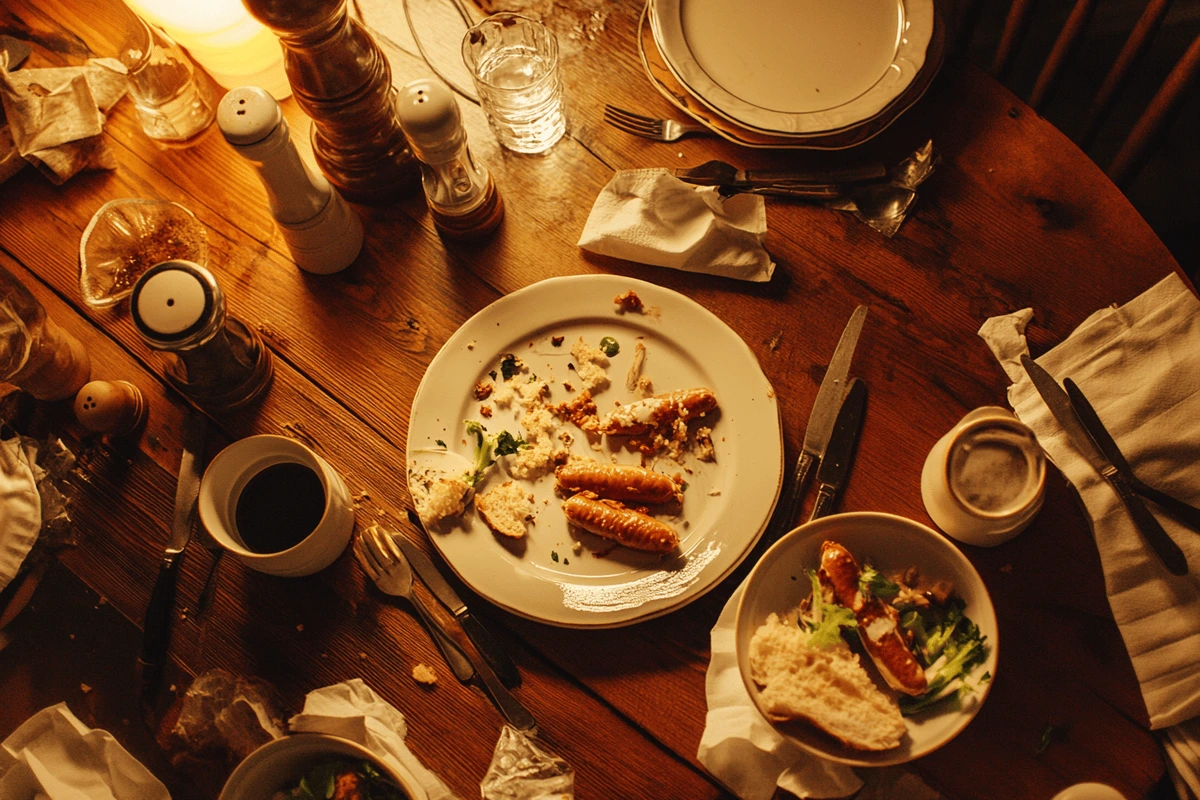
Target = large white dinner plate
(794,67)
(726,504)
(893,544)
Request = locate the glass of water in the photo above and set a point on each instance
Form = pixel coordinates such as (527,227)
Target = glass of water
(514,61)
(171,106)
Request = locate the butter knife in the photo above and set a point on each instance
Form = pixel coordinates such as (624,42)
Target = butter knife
(839,455)
(820,423)
(720,173)
(1059,404)
(156,626)
(487,646)
(1185,512)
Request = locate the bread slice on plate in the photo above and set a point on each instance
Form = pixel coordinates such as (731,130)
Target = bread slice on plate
(827,687)
(506,509)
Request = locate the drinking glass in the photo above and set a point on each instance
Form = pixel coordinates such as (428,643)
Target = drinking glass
(36,354)
(171,106)
(514,61)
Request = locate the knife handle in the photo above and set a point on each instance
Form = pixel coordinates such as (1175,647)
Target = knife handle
(1168,552)
(156,627)
(490,649)
(824,504)
(1186,513)
(786,513)
(457,660)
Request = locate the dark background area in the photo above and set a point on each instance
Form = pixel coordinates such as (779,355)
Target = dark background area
(1167,190)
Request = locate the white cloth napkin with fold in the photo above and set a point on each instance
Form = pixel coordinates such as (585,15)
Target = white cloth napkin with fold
(652,217)
(1139,365)
(353,711)
(54,756)
(20,504)
(741,749)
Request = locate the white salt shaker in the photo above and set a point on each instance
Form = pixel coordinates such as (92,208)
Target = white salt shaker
(322,232)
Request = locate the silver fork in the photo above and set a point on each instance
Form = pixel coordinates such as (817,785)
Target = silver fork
(383,560)
(660,130)
(391,573)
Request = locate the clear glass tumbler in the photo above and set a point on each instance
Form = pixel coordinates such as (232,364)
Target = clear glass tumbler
(514,61)
(171,106)
(36,354)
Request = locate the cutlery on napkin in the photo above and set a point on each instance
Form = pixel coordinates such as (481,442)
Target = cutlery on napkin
(1139,365)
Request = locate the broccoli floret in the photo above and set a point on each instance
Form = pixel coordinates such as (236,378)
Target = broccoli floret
(487,448)
(872,582)
(951,646)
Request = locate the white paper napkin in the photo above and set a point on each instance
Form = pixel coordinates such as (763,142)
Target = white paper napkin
(20,505)
(55,756)
(1139,365)
(353,711)
(652,217)
(741,749)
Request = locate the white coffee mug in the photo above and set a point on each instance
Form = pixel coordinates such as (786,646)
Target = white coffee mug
(983,482)
(228,475)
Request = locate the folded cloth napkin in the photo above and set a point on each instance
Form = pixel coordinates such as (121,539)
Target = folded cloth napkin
(55,756)
(652,217)
(1139,365)
(741,749)
(353,711)
(20,504)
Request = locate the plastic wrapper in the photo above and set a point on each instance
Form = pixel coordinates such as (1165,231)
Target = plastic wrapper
(522,770)
(223,719)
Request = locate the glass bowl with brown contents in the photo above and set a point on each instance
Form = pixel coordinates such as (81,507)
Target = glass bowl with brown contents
(128,236)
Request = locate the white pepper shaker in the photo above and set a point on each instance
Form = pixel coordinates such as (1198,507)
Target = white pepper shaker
(322,232)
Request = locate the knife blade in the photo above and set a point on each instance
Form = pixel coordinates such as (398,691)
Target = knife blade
(820,423)
(839,455)
(488,647)
(156,625)
(1059,404)
(1185,512)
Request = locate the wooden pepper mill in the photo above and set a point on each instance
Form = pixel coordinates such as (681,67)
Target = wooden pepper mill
(342,80)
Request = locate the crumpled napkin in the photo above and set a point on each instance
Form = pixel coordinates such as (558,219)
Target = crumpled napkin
(55,115)
(1139,365)
(353,711)
(741,749)
(652,217)
(54,756)
(20,504)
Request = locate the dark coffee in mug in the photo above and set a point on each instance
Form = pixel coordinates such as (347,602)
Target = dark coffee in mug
(279,507)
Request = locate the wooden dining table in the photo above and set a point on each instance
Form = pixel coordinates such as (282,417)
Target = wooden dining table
(1014,216)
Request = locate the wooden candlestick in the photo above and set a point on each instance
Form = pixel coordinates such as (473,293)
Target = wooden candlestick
(342,80)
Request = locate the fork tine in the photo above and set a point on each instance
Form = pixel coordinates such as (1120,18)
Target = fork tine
(390,543)
(629,115)
(364,558)
(651,126)
(381,557)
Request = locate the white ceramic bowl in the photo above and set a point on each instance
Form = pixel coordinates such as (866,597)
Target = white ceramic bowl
(280,765)
(779,582)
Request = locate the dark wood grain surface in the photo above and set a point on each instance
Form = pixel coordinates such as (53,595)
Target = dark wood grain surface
(1014,216)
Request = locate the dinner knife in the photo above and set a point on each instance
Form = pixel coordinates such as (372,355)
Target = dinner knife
(720,173)
(487,646)
(1059,404)
(820,422)
(839,455)
(156,626)
(1185,512)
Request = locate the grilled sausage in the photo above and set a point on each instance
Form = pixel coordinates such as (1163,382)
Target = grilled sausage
(642,416)
(612,520)
(618,482)
(878,622)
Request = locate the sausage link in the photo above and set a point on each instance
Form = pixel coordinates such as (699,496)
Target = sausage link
(645,415)
(612,520)
(842,571)
(618,482)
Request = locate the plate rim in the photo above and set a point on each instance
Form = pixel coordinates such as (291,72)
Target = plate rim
(881,758)
(602,620)
(910,58)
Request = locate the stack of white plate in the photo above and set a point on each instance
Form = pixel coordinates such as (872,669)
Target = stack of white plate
(815,74)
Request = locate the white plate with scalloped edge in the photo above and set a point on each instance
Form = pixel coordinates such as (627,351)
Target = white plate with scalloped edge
(727,504)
